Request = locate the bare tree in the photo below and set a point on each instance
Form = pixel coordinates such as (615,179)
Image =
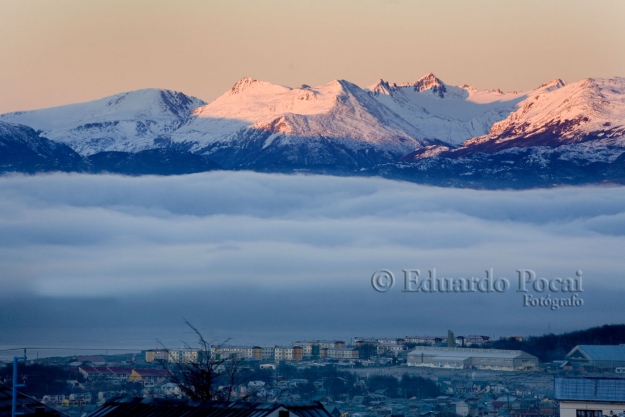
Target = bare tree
(199,379)
(231,373)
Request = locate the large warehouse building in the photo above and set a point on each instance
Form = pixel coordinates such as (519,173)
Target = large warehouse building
(607,357)
(465,358)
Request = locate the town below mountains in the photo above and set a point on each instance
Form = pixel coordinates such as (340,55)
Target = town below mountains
(411,376)
(424,131)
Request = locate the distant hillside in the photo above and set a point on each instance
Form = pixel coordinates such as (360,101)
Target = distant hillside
(552,347)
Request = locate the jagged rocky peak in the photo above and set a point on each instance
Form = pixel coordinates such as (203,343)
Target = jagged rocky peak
(383,87)
(553,84)
(427,82)
(242,84)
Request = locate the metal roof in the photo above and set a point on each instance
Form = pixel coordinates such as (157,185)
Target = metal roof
(590,389)
(155,407)
(25,404)
(465,353)
(602,352)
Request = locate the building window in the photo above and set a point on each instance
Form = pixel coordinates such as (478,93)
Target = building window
(589,413)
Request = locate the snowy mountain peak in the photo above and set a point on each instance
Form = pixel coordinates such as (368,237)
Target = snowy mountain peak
(242,84)
(427,83)
(125,121)
(445,112)
(148,103)
(342,85)
(382,87)
(324,119)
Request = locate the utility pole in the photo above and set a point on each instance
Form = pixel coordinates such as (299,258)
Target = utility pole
(15,384)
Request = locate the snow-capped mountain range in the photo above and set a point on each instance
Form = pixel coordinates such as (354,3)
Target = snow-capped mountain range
(340,127)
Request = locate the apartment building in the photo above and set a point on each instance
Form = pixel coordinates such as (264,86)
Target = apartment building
(173,356)
(288,353)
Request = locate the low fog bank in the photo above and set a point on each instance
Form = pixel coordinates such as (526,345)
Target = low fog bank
(256,257)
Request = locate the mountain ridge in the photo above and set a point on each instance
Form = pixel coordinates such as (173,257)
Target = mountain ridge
(424,131)
(127,121)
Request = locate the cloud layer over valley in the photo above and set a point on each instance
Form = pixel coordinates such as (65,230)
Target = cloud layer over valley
(289,253)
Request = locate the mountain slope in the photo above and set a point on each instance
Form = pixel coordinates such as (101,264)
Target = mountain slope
(128,122)
(514,168)
(590,110)
(561,134)
(160,161)
(23,150)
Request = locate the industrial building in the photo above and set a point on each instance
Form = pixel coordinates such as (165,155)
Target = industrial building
(605,357)
(467,358)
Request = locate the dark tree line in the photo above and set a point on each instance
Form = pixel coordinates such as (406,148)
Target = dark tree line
(407,387)
(552,347)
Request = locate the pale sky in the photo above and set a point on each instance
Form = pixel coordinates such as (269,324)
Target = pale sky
(58,52)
